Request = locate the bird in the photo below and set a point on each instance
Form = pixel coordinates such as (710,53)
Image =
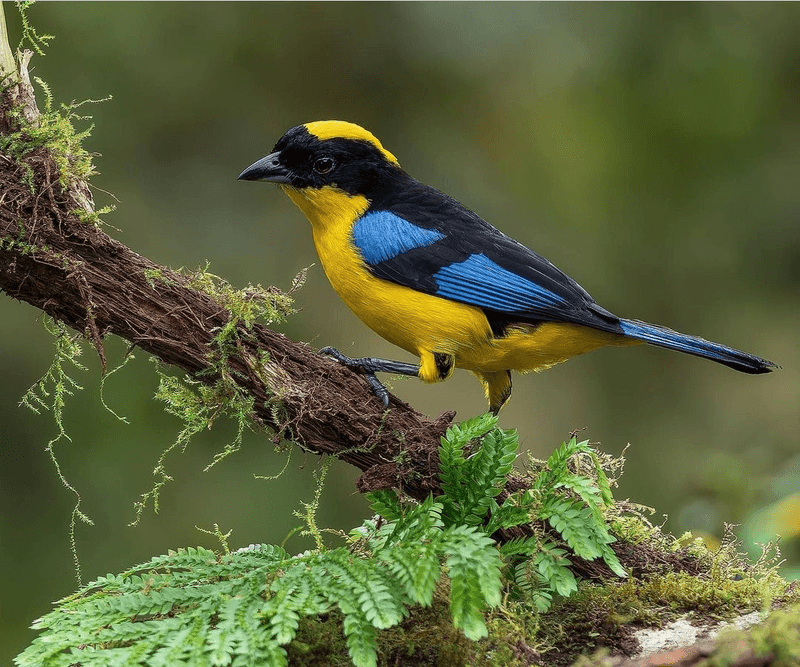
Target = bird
(432,277)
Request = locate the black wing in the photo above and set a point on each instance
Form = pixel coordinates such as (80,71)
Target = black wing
(427,241)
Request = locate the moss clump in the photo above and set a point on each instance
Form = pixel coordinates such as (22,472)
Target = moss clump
(248,305)
(198,403)
(682,578)
(427,638)
(156,275)
(54,130)
(776,639)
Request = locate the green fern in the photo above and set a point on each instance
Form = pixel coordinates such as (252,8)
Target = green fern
(570,492)
(573,503)
(195,607)
(470,484)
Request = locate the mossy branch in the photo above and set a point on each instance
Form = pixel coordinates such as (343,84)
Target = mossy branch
(52,259)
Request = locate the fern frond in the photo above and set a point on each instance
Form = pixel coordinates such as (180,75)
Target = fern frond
(471,484)
(515,510)
(520,546)
(199,608)
(537,589)
(602,481)
(416,569)
(487,470)
(574,522)
(360,636)
(612,561)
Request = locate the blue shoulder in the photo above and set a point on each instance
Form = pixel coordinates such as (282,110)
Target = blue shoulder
(383,235)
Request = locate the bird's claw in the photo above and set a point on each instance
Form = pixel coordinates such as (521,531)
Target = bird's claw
(378,389)
(364,366)
(341,358)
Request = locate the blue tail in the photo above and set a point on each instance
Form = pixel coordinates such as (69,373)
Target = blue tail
(672,340)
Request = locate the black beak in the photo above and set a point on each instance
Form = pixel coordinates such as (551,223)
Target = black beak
(266,169)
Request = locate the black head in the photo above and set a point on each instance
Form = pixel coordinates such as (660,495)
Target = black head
(328,153)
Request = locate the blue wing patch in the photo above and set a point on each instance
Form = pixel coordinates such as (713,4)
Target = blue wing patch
(382,235)
(480,282)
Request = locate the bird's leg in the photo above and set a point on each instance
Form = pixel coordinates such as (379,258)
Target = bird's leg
(369,366)
(497,387)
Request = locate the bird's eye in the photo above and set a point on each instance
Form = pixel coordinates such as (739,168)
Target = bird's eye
(323,165)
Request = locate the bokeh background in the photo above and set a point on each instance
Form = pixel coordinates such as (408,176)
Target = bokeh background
(650,150)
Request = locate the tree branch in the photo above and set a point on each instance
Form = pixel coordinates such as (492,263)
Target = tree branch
(79,275)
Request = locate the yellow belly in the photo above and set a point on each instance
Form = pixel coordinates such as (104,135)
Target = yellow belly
(424,324)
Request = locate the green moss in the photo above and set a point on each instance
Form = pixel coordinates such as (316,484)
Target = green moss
(248,305)
(50,393)
(54,131)
(199,403)
(427,638)
(319,642)
(712,586)
(21,246)
(153,275)
(30,36)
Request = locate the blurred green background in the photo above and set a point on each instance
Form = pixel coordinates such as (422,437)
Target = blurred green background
(650,150)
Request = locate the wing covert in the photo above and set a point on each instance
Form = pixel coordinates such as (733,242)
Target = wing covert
(480,281)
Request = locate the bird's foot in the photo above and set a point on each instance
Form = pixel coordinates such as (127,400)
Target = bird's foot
(369,366)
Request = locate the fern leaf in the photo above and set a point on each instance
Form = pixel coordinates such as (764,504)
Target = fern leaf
(520,546)
(471,428)
(385,503)
(573,521)
(360,637)
(416,524)
(417,569)
(602,482)
(553,567)
(583,486)
(452,461)
(470,485)
(537,590)
(515,510)
(486,473)
(556,469)
(474,572)
(612,561)
(282,609)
